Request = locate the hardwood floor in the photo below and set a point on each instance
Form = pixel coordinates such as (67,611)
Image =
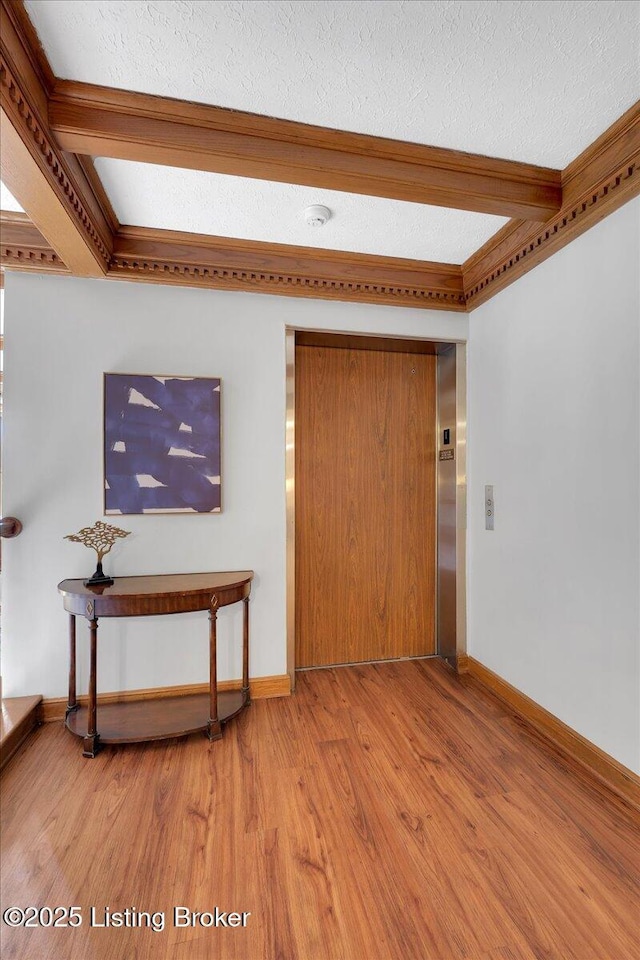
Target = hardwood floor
(384,812)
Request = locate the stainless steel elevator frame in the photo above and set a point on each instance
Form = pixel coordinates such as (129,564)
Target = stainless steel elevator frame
(451,392)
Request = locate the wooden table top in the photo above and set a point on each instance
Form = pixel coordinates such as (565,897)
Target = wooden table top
(159,584)
(159,593)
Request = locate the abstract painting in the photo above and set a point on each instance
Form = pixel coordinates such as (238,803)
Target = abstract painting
(161,444)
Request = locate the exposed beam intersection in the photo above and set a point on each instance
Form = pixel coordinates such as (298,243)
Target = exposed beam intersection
(52,128)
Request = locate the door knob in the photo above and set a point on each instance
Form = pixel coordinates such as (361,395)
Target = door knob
(10,527)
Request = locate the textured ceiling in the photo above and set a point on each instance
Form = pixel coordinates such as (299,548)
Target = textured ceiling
(210,203)
(533,81)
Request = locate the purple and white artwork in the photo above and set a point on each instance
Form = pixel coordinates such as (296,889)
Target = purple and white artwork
(161,444)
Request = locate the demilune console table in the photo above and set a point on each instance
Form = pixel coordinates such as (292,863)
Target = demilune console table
(156,719)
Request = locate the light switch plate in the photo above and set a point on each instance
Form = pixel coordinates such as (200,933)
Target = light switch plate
(489,507)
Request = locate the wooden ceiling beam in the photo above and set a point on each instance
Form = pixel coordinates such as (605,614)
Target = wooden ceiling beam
(102,121)
(598,182)
(74,230)
(22,246)
(167,256)
(222,263)
(56,193)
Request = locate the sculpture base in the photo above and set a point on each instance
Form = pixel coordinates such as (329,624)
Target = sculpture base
(99,579)
(101,582)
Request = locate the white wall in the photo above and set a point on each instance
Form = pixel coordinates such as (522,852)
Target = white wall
(554,425)
(61,334)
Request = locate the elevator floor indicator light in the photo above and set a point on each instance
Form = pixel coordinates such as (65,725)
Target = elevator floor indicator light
(446,436)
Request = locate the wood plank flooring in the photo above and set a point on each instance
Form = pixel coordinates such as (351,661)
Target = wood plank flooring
(384,812)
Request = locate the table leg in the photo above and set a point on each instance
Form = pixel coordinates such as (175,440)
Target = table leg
(245,651)
(91,741)
(72,703)
(214,727)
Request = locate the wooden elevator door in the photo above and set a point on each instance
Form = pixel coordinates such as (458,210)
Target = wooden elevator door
(365,505)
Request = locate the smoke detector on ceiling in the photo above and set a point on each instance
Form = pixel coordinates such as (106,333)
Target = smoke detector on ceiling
(317,215)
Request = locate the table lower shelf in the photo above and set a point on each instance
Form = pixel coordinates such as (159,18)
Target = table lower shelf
(155,719)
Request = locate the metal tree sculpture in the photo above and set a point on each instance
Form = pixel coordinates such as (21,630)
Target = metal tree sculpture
(100,537)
